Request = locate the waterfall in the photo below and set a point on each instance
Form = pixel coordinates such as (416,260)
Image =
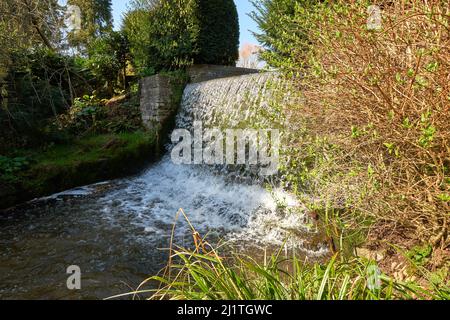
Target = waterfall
(116,230)
(233,102)
(249,104)
(215,197)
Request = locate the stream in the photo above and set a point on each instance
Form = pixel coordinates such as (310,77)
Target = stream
(118,232)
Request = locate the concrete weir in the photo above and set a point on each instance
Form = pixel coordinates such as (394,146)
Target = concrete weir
(157,92)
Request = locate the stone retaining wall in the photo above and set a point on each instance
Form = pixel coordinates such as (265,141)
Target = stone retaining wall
(205,72)
(156,100)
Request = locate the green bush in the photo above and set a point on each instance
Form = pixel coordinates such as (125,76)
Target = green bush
(175,34)
(91,115)
(12,165)
(39,85)
(108,56)
(136,27)
(218,40)
(285,27)
(173,31)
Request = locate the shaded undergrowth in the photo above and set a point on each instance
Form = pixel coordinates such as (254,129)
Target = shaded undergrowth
(36,173)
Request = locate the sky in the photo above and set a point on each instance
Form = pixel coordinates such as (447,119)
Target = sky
(244,7)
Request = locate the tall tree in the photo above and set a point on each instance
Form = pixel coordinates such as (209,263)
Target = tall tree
(218,39)
(30,22)
(137,27)
(281,23)
(108,57)
(27,24)
(96,20)
(172,34)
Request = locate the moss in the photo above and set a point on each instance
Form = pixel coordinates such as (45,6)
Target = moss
(88,160)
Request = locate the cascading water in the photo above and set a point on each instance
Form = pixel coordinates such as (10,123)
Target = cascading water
(114,231)
(231,102)
(249,102)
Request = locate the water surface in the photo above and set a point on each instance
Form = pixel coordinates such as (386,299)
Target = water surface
(118,232)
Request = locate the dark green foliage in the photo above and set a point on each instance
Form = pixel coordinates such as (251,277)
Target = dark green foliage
(218,40)
(169,34)
(162,35)
(39,85)
(174,30)
(282,23)
(92,115)
(11,165)
(136,26)
(108,56)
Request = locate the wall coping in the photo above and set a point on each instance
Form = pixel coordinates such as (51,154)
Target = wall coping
(206,72)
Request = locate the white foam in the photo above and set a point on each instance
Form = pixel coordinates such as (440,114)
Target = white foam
(211,203)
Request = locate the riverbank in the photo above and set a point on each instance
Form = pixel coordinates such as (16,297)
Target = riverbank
(38,173)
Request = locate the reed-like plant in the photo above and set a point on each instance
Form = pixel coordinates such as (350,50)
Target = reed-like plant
(202,273)
(206,276)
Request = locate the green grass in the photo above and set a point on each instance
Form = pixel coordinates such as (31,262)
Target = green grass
(93,148)
(84,161)
(208,276)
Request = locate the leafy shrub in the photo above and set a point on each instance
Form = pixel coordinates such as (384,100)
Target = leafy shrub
(82,115)
(39,85)
(379,99)
(420,254)
(175,34)
(171,30)
(90,114)
(108,56)
(218,38)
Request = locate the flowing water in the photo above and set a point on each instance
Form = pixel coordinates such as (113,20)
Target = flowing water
(118,232)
